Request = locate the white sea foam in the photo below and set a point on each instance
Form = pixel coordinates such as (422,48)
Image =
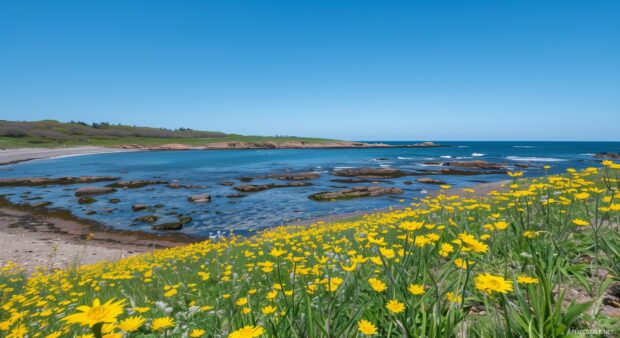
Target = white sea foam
(477,154)
(535,159)
(404,158)
(384,165)
(587,154)
(462,146)
(344,167)
(524,146)
(445,156)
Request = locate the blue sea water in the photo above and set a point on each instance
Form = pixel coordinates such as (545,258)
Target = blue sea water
(275,206)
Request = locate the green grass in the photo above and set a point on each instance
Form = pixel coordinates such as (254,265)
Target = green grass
(53,134)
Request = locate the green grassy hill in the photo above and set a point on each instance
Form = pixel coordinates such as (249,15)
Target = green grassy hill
(49,133)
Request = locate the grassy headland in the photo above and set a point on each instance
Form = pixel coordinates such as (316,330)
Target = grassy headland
(50,134)
(537,260)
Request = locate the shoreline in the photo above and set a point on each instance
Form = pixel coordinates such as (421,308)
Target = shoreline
(55,238)
(17,155)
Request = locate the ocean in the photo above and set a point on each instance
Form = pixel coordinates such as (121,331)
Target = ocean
(208,170)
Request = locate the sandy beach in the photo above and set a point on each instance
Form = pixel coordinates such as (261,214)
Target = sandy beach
(10,156)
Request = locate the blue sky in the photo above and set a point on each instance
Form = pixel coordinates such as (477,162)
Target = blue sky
(364,70)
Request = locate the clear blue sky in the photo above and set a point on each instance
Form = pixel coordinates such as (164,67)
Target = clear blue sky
(382,70)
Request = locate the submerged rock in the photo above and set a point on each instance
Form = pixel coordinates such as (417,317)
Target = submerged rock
(37,181)
(261,187)
(202,198)
(139,207)
(135,183)
(146,219)
(86,200)
(370,172)
(295,176)
(168,226)
(89,191)
(355,192)
(607,155)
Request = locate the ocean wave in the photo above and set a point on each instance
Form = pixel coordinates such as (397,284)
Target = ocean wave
(587,154)
(535,159)
(384,165)
(445,156)
(428,165)
(524,146)
(477,154)
(344,167)
(463,157)
(404,158)
(462,146)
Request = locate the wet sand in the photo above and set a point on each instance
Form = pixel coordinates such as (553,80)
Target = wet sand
(10,156)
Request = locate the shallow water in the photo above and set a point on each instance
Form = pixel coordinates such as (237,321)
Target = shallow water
(275,206)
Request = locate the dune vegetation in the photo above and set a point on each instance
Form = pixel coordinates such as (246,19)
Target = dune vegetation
(536,259)
(50,133)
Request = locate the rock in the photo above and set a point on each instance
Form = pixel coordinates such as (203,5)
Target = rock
(426,144)
(227,183)
(38,181)
(428,180)
(114,200)
(475,164)
(370,172)
(86,200)
(139,207)
(245,179)
(522,165)
(89,191)
(91,212)
(261,187)
(611,155)
(202,198)
(457,172)
(185,219)
(41,204)
(236,195)
(407,183)
(146,219)
(135,183)
(355,192)
(295,176)
(355,180)
(168,226)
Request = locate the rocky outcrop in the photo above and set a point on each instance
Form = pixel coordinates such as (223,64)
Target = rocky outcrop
(475,164)
(615,156)
(356,180)
(261,187)
(38,181)
(459,172)
(295,176)
(426,144)
(355,192)
(90,191)
(257,145)
(135,183)
(370,172)
(428,180)
(202,198)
